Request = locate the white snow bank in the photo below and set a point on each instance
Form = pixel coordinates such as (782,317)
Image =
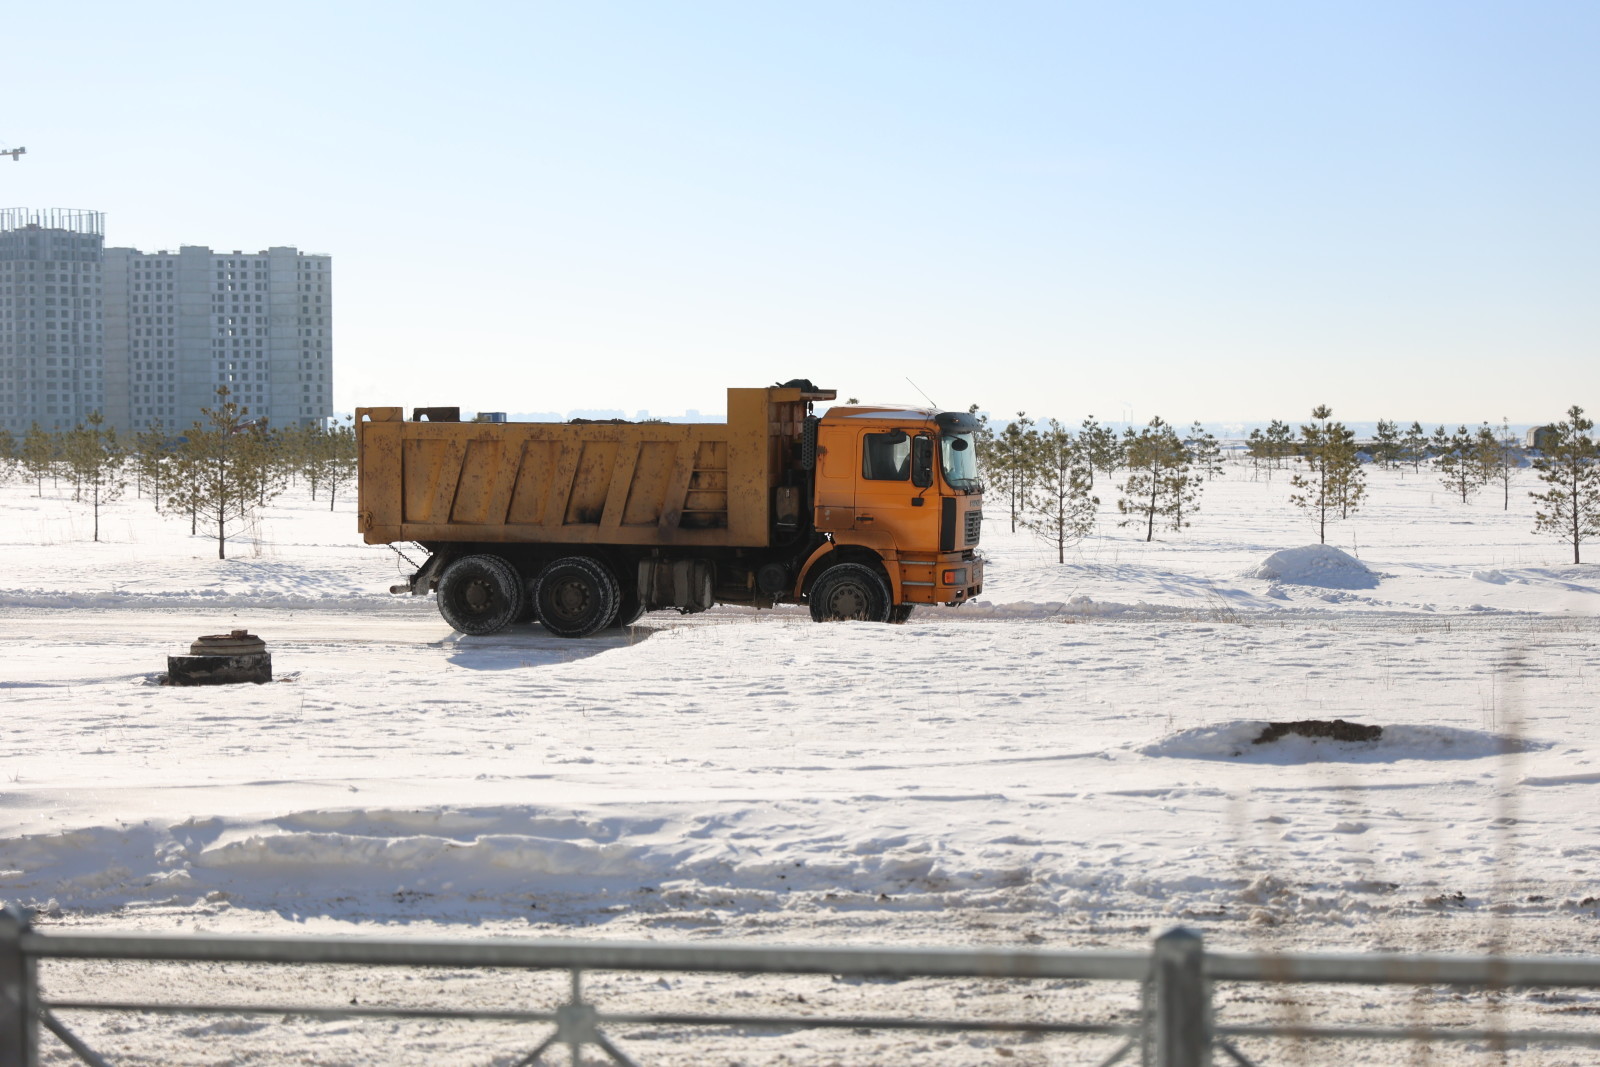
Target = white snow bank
(208,599)
(1319,565)
(1236,740)
(495,860)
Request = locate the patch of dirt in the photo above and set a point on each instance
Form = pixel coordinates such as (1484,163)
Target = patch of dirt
(1334,730)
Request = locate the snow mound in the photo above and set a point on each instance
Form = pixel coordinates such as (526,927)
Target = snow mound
(1319,565)
(378,862)
(1237,741)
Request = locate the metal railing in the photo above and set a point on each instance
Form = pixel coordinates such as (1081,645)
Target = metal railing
(1176,1027)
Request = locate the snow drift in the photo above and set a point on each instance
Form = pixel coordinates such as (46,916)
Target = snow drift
(1319,565)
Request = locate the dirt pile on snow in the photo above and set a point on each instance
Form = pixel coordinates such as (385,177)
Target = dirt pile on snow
(1319,565)
(1261,742)
(1336,730)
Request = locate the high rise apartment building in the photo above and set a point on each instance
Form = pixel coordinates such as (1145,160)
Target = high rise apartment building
(148,337)
(52,366)
(181,324)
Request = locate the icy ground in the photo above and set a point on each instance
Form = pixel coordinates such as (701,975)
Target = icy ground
(1069,763)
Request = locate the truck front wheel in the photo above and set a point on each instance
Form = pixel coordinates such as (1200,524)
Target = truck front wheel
(480,594)
(849,591)
(576,596)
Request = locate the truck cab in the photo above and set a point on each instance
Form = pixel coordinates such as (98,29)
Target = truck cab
(902,484)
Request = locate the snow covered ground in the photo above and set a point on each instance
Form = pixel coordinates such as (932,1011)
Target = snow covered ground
(1069,762)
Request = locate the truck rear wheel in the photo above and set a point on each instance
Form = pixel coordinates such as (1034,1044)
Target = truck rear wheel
(480,594)
(849,591)
(630,606)
(527,612)
(576,596)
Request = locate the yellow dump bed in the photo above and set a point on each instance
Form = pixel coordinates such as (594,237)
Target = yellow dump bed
(582,483)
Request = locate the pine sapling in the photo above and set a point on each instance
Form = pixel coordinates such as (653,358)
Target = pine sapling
(1160,484)
(1332,480)
(1569,508)
(1061,509)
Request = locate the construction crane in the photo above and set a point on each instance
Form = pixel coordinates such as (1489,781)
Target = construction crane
(15,153)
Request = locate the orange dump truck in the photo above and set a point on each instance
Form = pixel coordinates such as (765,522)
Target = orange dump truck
(862,513)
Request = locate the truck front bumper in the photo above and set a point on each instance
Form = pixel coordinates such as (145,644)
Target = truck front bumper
(952,578)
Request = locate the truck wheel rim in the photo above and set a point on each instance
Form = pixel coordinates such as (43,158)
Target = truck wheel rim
(570,600)
(478,596)
(848,601)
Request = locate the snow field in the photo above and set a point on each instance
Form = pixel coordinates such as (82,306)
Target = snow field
(1043,773)
(1067,763)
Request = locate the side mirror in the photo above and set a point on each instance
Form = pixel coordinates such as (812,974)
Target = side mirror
(922,462)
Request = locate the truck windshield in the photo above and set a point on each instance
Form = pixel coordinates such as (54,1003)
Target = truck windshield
(959,459)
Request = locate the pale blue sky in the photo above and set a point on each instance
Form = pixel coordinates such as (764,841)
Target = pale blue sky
(1221,211)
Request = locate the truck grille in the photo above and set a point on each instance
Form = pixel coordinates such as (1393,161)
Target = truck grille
(974,523)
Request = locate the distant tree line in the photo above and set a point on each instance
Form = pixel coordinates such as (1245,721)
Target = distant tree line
(1048,478)
(1466,460)
(218,473)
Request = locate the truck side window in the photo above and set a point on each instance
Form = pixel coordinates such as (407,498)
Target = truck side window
(886,457)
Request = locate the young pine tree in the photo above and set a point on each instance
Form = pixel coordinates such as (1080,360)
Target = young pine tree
(1280,442)
(1259,451)
(174,492)
(96,459)
(1061,509)
(1501,457)
(1100,447)
(1386,444)
(339,461)
(1016,463)
(1438,442)
(1414,446)
(1460,467)
(1205,455)
(1331,481)
(1160,485)
(265,451)
(38,456)
(219,474)
(303,447)
(150,450)
(1569,508)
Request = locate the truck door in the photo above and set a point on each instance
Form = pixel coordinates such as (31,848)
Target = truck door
(889,498)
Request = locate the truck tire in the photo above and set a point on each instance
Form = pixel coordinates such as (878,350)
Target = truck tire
(529,611)
(480,594)
(630,606)
(850,591)
(576,596)
(900,612)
